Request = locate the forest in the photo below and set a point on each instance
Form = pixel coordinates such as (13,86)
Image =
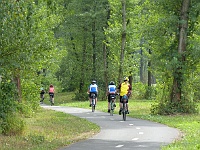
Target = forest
(69,43)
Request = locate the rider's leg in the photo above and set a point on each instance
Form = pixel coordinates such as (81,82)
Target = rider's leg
(120,105)
(53,100)
(90,99)
(108,104)
(127,108)
(96,99)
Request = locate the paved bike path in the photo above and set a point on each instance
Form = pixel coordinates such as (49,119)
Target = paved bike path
(117,134)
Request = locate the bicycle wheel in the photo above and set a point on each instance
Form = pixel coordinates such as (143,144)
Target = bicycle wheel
(111,108)
(51,100)
(124,112)
(93,105)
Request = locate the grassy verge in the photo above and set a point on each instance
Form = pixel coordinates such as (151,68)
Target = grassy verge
(49,130)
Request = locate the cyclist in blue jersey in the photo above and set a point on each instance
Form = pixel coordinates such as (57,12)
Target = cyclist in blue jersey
(93,88)
(111,92)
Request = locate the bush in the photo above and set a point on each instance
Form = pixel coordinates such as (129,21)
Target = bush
(138,90)
(12,124)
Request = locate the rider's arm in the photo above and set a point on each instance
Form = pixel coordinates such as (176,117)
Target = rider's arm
(129,91)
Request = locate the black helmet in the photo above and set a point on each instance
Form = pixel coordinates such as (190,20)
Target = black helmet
(112,83)
(93,81)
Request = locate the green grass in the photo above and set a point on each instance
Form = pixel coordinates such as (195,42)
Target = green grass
(49,130)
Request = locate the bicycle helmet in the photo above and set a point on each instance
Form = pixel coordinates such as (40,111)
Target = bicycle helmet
(93,81)
(126,79)
(112,83)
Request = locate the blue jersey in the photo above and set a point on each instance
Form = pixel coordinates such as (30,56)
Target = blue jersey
(93,88)
(111,89)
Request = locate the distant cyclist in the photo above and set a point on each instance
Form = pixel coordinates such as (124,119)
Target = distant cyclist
(111,91)
(124,89)
(42,92)
(93,88)
(51,92)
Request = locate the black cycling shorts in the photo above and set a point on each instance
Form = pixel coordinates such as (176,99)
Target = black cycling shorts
(51,94)
(91,94)
(111,95)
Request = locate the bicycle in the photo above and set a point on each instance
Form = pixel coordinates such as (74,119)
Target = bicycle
(124,107)
(93,97)
(112,104)
(41,97)
(51,99)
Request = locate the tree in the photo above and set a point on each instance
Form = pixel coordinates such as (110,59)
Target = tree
(172,51)
(123,38)
(27,44)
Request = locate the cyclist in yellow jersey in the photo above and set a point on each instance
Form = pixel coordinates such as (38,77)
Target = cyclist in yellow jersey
(124,89)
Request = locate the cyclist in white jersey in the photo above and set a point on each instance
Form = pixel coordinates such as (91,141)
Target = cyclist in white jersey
(111,92)
(93,88)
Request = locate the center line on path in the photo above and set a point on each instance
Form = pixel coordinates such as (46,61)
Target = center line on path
(135,139)
(119,146)
(141,132)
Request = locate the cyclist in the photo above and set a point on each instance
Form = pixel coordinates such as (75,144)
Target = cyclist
(111,91)
(42,94)
(124,89)
(93,88)
(51,92)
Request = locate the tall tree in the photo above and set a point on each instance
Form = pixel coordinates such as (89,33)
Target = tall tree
(173,53)
(123,38)
(182,46)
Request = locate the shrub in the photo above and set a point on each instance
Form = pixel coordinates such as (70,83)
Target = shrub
(12,124)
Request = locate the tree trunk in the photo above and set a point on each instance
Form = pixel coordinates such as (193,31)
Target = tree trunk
(105,68)
(149,72)
(82,79)
(178,75)
(17,81)
(94,50)
(123,40)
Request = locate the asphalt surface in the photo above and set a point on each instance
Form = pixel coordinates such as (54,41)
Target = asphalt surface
(116,134)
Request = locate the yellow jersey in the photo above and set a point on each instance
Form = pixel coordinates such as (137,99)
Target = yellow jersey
(124,88)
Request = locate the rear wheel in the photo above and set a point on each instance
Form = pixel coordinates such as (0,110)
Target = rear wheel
(111,108)
(93,105)
(51,102)
(124,115)
(124,112)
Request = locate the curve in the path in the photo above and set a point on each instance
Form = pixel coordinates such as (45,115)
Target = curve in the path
(116,134)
